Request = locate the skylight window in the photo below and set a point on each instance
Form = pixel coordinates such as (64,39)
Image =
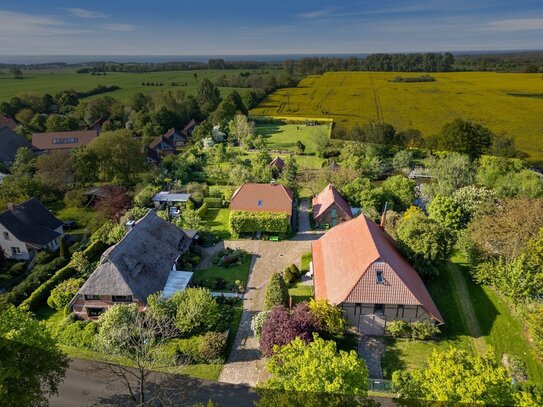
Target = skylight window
(260,203)
(379,277)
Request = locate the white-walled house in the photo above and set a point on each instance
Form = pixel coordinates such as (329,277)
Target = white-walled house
(28,228)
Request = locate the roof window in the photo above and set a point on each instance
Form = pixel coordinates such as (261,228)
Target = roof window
(379,279)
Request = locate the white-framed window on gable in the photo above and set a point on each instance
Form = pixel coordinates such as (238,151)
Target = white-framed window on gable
(379,278)
(15,251)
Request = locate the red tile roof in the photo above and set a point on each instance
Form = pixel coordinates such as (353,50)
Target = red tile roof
(278,163)
(169,134)
(272,198)
(8,122)
(328,196)
(344,258)
(62,140)
(159,139)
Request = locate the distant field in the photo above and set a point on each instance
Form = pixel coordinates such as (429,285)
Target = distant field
(55,80)
(507,103)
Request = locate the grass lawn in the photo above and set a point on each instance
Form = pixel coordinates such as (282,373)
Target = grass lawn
(284,136)
(230,274)
(300,292)
(498,326)
(217,221)
(84,217)
(306,259)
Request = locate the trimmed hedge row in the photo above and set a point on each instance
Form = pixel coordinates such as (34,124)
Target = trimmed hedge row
(213,202)
(39,296)
(251,222)
(202,210)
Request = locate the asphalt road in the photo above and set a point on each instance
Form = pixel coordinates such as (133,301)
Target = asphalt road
(93,384)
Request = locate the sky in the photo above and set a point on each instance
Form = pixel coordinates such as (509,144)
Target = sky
(233,27)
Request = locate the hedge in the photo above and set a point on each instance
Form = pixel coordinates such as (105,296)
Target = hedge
(251,222)
(40,295)
(213,202)
(201,211)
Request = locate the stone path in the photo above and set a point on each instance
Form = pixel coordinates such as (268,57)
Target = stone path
(244,365)
(370,348)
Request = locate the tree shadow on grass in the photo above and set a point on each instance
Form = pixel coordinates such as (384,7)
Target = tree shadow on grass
(392,359)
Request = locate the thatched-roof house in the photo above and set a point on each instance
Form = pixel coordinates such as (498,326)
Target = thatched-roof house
(142,263)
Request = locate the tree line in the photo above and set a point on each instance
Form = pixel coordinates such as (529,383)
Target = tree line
(416,62)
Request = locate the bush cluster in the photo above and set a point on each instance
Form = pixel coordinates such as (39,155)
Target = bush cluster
(276,292)
(230,257)
(202,210)
(291,273)
(421,330)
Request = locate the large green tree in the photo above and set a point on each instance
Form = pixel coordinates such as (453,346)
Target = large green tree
(208,96)
(317,367)
(465,137)
(276,292)
(426,243)
(31,365)
(457,376)
(119,156)
(399,191)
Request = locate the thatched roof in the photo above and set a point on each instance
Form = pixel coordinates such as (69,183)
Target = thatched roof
(139,265)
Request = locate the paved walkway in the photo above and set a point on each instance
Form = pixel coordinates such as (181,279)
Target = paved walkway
(370,348)
(244,365)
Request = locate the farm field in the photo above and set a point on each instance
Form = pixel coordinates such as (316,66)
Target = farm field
(54,80)
(507,103)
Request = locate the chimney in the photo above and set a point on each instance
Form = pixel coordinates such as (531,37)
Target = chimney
(272,182)
(130,225)
(383,217)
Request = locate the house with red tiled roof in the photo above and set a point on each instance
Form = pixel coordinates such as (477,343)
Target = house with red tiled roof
(330,208)
(263,198)
(357,266)
(8,121)
(277,165)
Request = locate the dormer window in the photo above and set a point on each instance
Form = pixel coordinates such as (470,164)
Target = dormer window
(379,279)
(260,203)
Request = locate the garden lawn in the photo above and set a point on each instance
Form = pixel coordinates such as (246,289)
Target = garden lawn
(218,222)
(404,354)
(230,274)
(284,136)
(84,217)
(300,292)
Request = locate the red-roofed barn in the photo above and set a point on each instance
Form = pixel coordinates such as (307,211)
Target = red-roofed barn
(357,266)
(330,208)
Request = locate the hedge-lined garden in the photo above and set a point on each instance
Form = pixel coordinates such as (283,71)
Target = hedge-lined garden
(243,222)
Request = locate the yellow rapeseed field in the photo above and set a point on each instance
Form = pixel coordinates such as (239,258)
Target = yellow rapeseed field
(507,103)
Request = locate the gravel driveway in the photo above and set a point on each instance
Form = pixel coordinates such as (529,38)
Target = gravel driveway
(244,365)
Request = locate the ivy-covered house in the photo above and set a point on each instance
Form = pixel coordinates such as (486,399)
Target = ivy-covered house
(266,208)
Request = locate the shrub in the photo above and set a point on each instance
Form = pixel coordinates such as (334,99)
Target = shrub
(229,257)
(197,311)
(76,333)
(63,293)
(64,250)
(257,322)
(143,198)
(213,346)
(202,210)
(75,198)
(276,292)
(213,202)
(420,330)
(17,268)
(44,257)
(329,318)
(189,349)
(288,276)
(398,329)
(295,271)
(282,326)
